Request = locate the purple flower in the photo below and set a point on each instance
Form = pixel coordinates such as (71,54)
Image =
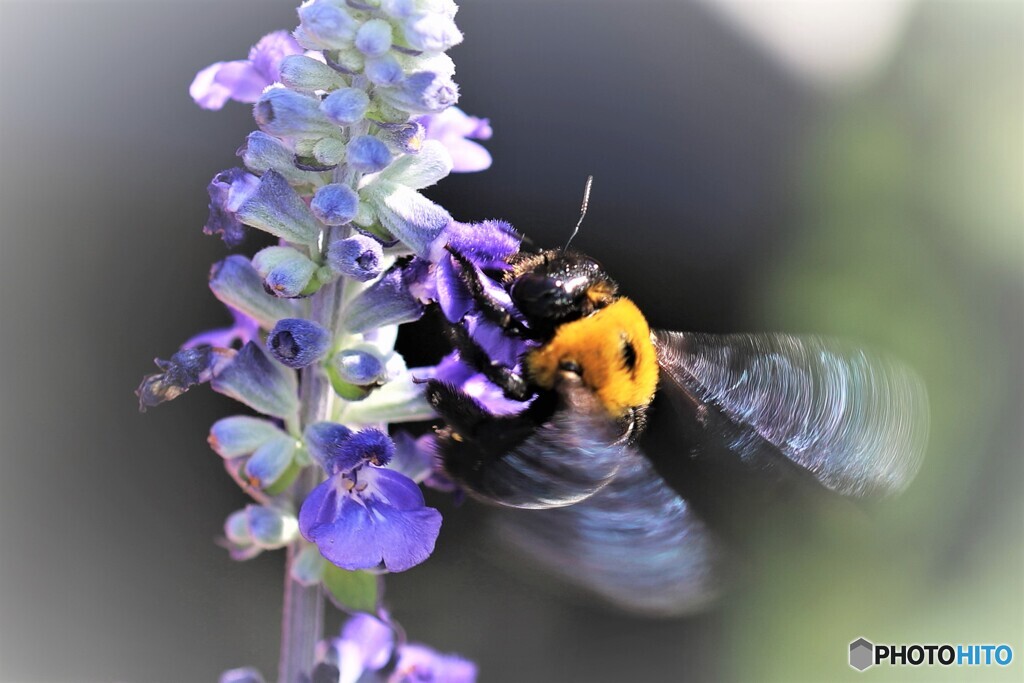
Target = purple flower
(184,370)
(420,664)
(228,190)
(244,330)
(365,515)
(244,80)
(366,645)
(455,129)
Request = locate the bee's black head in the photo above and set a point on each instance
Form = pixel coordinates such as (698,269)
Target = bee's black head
(560,287)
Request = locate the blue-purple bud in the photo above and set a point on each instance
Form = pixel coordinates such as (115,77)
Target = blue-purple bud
(270,461)
(358,257)
(286,113)
(325,442)
(407,214)
(432,32)
(308,567)
(271,528)
(329,151)
(335,204)
(237,284)
(286,272)
(243,675)
(345,106)
(262,152)
(297,343)
(255,380)
(306,74)
(367,154)
(373,38)
(325,25)
(276,208)
(385,302)
(239,435)
(424,92)
(360,367)
(384,70)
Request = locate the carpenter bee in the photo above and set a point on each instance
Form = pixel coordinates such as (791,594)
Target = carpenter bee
(748,414)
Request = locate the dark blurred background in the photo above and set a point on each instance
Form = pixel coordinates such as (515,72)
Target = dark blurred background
(853,169)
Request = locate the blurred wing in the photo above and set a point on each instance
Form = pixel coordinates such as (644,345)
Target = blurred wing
(857,421)
(635,543)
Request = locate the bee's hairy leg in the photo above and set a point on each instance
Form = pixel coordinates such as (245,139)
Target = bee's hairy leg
(493,310)
(512,384)
(461,412)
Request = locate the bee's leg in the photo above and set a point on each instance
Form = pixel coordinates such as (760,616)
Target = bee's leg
(512,384)
(491,309)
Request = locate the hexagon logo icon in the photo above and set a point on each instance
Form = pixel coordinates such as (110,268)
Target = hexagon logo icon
(862,654)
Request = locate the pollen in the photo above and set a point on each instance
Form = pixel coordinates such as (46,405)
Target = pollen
(613,352)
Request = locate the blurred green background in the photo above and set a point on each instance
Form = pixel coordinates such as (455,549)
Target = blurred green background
(869,184)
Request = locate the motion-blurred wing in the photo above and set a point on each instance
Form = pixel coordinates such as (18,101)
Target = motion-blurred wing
(635,543)
(857,421)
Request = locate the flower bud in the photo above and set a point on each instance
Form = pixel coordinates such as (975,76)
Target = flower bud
(432,32)
(286,272)
(243,675)
(335,204)
(239,435)
(424,92)
(306,74)
(359,366)
(358,257)
(373,38)
(367,154)
(237,284)
(345,106)
(270,461)
(255,380)
(262,152)
(421,170)
(384,71)
(269,528)
(308,567)
(297,343)
(325,25)
(276,208)
(286,113)
(329,152)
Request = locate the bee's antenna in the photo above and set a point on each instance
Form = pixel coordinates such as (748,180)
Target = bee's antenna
(583,210)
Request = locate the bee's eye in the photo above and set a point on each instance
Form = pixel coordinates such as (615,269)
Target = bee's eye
(570,366)
(538,295)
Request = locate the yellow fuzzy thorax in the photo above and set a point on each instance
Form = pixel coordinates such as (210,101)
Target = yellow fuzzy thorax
(596,344)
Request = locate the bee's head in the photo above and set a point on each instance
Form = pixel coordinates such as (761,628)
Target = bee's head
(562,287)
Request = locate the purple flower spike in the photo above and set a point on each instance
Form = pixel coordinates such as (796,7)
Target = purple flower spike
(298,343)
(456,130)
(365,645)
(367,154)
(370,516)
(244,80)
(418,663)
(486,244)
(228,190)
